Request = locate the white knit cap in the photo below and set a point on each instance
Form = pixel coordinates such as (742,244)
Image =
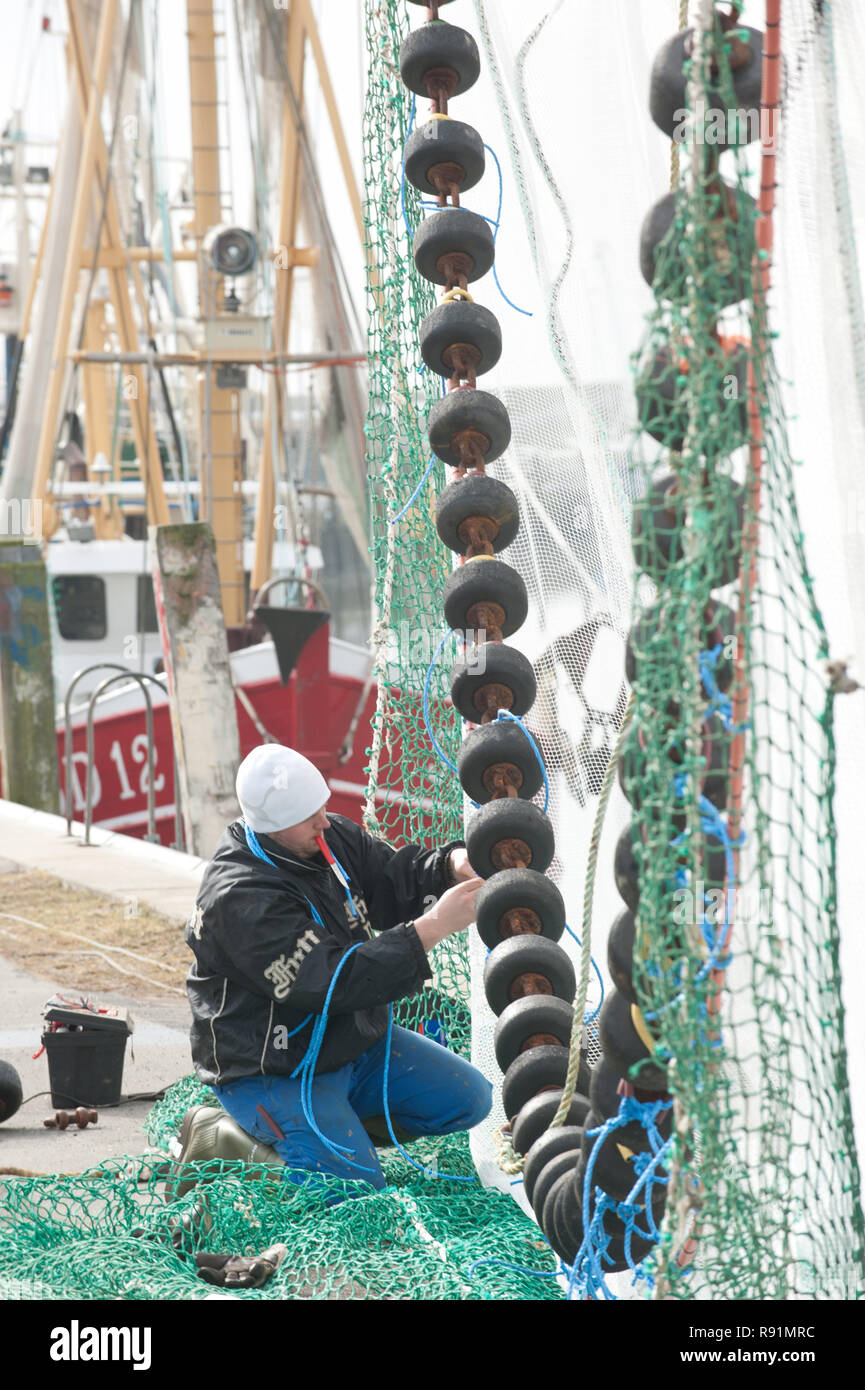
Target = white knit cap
(278,788)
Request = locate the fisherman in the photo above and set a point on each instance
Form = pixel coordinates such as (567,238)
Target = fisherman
(301,912)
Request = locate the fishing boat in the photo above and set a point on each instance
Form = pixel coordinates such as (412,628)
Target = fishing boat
(202,370)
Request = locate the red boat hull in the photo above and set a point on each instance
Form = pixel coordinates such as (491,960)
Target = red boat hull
(312,712)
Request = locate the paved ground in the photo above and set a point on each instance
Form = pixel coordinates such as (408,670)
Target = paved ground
(157,1055)
(126,870)
(116,865)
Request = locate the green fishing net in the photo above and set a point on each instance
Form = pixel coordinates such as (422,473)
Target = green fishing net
(729,768)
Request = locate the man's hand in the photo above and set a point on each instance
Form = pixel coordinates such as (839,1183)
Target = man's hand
(458,860)
(454,912)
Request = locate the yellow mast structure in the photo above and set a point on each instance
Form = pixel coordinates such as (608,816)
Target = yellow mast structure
(220,464)
(92,174)
(111,328)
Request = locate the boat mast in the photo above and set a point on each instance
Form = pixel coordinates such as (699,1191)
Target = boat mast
(220,446)
(93,175)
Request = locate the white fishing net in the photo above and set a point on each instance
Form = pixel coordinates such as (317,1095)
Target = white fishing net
(563,99)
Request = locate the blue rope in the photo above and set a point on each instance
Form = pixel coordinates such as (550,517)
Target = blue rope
(648,1179)
(587,1269)
(252,843)
(708,660)
(495,222)
(527,312)
(588,1256)
(515,719)
(299,1026)
(307,1066)
(429,468)
(427,1172)
(713,825)
(411,501)
(435,743)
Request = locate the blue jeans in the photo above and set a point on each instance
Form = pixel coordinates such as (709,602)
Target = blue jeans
(430,1091)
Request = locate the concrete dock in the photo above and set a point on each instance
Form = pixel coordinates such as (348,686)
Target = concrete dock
(126,870)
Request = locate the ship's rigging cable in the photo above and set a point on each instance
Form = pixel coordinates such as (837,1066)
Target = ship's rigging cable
(314,182)
(69,385)
(341,322)
(276,384)
(24,84)
(159,213)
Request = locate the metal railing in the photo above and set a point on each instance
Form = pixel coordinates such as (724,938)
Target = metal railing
(141,678)
(298,581)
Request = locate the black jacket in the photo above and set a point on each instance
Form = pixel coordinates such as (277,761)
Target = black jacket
(262,962)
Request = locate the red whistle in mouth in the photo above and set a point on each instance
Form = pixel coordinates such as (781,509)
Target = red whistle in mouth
(326,851)
(338,871)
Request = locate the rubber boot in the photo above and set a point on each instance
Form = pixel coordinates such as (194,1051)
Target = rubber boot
(208,1133)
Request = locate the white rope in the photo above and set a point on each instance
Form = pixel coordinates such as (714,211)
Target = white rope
(88,941)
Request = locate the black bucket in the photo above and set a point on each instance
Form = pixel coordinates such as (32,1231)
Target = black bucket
(85,1056)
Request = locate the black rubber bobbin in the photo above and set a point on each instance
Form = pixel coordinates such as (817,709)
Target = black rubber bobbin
(454,246)
(460,340)
(495,758)
(509,834)
(444,157)
(490,676)
(519,904)
(485,596)
(477,514)
(464,418)
(439,58)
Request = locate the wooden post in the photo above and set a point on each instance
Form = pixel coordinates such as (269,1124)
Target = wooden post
(201,693)
(28,739)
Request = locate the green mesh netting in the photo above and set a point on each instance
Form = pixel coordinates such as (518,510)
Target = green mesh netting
(729,768)
(121,1230)
(412,794)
